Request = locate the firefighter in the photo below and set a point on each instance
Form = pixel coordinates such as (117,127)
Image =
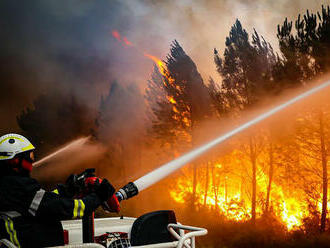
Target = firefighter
(29,215)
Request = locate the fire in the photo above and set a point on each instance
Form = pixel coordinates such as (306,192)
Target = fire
(224,194)
(183,117)
(158,62)
(171,100)
(127,42)
(122,39)
(162,69)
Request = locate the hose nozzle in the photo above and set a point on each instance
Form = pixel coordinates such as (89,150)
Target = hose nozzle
(128,191)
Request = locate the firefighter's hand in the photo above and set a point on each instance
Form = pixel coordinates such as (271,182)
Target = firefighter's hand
(92,183)
(112,204)
(105,190)
(71,186)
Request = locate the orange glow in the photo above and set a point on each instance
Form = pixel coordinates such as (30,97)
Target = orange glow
(224,195)
(158,62)
(171,100)
(127,42)
(116,35)
(182,117)
(122,39)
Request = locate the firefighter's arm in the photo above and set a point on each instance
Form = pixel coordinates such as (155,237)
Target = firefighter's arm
(70,189)
(51,205)
(63,190)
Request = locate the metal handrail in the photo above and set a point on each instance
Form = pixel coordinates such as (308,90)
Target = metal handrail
(184,238)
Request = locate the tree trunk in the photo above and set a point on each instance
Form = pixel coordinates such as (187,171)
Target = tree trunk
(206,183)
(324,175)
(226,190)
(193,198)
(270,177)
(215,188)
(254,181)
(242,187)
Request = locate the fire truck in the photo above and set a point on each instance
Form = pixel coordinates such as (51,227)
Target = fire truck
(157,229)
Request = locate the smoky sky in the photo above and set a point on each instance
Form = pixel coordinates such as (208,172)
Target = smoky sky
(67,45)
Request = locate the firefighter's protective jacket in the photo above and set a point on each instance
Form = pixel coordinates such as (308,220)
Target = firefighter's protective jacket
(30,216)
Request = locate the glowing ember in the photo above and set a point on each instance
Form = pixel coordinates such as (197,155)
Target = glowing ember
(127,42)
(116,35)
(171,99)
(122,39)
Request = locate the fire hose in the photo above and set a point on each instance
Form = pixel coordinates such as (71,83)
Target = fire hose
(133,188)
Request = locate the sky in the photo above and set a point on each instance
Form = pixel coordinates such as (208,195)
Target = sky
(68,45)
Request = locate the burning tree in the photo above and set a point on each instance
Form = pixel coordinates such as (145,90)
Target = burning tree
(313,141)
(246,69)
(305,56)
(179,101)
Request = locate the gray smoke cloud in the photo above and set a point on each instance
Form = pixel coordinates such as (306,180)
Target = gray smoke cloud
(68,45)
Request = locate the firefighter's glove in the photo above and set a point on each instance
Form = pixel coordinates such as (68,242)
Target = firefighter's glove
(92,183)
(105,190)
(112,204)
(71,188)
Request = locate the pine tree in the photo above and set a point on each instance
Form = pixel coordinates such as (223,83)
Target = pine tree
(53,114)
(312,135)
(306,53)
(182,102)
(120,125)
(246,69)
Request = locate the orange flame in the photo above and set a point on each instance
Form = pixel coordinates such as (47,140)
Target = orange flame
(158,62)
(171,99)
(127,42)
(223,195)
(122,39)
(162,69)
(116,35)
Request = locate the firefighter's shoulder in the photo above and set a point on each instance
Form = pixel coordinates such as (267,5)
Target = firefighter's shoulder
(12,184)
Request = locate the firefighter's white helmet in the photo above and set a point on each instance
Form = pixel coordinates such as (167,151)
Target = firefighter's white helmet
(13,144)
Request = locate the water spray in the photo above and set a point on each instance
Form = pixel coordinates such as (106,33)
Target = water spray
(77,142)
(133,188)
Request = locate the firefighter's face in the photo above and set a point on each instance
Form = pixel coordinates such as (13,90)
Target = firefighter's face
(32,156)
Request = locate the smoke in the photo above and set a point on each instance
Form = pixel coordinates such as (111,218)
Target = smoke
(79,154)
(56,44)
(68,46)
(202,25)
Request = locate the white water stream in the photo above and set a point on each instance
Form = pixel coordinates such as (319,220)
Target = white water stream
(165,170)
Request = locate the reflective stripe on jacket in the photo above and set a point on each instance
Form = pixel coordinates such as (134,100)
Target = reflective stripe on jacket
(40,211)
